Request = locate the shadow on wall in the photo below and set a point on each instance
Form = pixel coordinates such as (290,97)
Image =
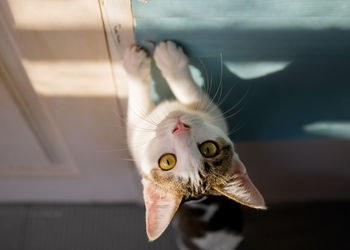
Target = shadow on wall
(313,39)
(280,104)
(314,87)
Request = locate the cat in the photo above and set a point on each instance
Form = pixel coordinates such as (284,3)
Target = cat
(183,153)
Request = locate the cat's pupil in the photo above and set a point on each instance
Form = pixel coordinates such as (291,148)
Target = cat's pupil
(168,162)
(208,150)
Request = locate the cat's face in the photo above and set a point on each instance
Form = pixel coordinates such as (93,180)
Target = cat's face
(187,158)
(188,155)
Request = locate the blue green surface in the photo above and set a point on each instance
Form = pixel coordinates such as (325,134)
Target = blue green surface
(287,62)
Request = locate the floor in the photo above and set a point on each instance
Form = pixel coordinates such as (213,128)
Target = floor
(106,227)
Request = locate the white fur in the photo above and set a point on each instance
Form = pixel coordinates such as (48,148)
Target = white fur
(210,209)
(220,240)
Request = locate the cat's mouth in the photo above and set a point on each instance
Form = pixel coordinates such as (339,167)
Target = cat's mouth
(181,128)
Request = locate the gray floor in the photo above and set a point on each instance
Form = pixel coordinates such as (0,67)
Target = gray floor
(106,227)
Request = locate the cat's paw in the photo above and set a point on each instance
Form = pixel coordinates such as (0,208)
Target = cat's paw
(137,63)
(170,58)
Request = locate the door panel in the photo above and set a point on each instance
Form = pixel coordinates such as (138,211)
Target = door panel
(60,106)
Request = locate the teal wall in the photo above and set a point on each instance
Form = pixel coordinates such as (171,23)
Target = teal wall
(290,60)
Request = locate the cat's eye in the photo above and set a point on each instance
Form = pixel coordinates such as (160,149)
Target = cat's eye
(209,149)
(167,162)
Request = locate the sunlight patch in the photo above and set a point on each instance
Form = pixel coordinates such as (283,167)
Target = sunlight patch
(339,130)
(249,70)
(197,76)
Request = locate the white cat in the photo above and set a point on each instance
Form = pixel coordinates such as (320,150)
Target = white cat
(181,147)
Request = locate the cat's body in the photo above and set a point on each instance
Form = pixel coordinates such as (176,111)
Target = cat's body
(210,223)
(181,148)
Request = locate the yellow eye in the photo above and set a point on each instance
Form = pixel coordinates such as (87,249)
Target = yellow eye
(209,149)
(167,162)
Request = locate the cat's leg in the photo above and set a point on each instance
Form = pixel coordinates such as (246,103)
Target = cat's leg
(173,63)
(137,64)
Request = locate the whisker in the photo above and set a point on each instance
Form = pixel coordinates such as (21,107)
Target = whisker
(235,106)
(226,95)
(206,80)
(234,130)
(143,117)
(237,112)
(219,88)
(221,77)
(239,101)
(207,88)
(128,159)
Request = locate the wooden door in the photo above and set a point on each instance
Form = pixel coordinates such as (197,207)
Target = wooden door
(61,106)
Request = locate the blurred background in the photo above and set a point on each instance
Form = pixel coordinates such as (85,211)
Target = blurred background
(278,70)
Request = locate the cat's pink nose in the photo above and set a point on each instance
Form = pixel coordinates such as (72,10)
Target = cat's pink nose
(180,127)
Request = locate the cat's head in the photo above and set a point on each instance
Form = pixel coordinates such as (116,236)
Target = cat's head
(188,158)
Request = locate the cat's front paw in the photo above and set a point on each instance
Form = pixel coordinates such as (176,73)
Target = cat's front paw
(137,63)
(170,58)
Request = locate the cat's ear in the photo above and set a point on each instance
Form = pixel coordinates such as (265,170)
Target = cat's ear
(240,188)
(160,209)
